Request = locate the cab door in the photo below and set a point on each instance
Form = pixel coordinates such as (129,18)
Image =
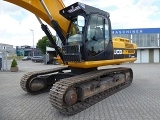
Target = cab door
(97,37)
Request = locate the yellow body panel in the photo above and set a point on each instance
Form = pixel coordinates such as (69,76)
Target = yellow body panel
(92,64)
(53,6)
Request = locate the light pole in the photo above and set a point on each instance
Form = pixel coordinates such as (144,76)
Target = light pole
(33,39)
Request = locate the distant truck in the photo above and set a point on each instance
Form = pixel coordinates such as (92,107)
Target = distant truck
(37,59)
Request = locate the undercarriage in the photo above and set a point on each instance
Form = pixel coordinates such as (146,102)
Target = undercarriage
(73,90)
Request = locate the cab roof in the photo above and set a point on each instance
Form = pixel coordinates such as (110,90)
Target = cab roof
(80,9)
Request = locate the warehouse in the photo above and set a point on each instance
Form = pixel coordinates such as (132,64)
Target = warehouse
(147,40)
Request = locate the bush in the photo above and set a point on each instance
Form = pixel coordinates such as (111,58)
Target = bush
(14,63)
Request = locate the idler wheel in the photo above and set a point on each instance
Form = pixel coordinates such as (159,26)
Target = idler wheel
(36,84)
(70,97)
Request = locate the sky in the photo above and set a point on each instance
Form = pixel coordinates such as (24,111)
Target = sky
(16,23)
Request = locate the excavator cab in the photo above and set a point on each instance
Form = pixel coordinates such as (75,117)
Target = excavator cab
(89,34)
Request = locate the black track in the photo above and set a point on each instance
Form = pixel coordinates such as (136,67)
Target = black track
(24,82)
(59,89)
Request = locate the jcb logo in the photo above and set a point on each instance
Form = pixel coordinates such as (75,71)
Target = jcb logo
(117,52)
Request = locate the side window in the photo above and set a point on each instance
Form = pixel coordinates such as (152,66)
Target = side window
(95,28)
(91,27)
(106,32)
(95,35)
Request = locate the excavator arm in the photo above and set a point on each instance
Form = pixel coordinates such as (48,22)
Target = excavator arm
(54,6)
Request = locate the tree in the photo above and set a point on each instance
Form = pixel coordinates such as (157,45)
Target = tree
(42,43)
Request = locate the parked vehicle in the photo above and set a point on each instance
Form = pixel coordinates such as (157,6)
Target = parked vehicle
(37,59)
(26,58)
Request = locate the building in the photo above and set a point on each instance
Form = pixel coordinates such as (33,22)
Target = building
(147,40)
(50,54)
(7,48)
(28,51)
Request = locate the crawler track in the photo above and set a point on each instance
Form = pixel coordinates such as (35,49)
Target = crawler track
(59,89)
(31,75)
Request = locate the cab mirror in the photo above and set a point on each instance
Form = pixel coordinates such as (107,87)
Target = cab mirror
(81,21)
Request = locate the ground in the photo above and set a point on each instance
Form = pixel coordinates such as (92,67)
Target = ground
(140,101)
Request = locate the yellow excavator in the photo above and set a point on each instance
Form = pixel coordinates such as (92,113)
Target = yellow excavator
(86,37)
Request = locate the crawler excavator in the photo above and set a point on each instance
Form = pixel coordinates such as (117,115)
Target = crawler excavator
(87,43)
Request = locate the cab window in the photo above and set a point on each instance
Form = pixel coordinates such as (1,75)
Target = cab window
(95,35)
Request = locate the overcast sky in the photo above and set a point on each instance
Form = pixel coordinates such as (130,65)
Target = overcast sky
(16,22)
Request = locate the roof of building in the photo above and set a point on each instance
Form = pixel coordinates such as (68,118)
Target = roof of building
(136,31)
(5,44)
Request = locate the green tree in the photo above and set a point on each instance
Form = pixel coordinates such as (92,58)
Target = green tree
(42,43)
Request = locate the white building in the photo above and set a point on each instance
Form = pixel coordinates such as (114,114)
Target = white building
(7,48)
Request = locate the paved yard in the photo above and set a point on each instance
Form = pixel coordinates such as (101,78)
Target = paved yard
(140,101)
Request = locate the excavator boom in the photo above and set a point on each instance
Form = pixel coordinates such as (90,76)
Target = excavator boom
(54,6)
